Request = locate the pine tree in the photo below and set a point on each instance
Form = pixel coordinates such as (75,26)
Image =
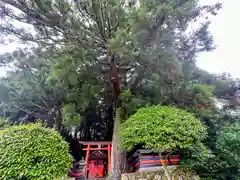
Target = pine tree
(130,41)
(27,90)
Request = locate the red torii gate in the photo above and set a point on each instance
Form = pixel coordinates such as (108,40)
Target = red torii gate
(90,165)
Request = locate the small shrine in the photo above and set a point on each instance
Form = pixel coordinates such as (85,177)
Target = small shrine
(147,161)
(96,163)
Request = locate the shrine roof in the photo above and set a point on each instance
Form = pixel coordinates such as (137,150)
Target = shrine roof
(95,142)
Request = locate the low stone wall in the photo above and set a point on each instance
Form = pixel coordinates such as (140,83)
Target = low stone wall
(177,174)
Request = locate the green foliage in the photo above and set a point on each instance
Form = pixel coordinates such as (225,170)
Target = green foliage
(228,143)
(33,152)
(3,122)
(211,162)
(126,95)
(196,97)
(224,85)
(203,92)
(202,97)
(81,81)
(25,89)
(70,116)
(162,128)
(197,156)
(146,39)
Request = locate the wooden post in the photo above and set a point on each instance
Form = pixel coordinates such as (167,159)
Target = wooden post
(109,158)
(86,160)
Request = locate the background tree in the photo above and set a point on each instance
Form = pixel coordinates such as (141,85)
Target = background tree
(26,90)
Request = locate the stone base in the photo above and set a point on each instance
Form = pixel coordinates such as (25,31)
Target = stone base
(177,174)
(156,169)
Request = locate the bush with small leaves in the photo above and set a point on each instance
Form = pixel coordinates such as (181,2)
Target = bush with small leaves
(228,144)
(3,122)
(33,152)
(161,128)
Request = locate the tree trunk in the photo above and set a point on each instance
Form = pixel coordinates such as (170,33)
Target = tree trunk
(57,120)
(165,168)
(118,157)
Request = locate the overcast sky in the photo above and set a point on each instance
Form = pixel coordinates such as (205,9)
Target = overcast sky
(225,28)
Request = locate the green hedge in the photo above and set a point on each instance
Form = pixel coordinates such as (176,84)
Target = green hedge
(33,152)
(161,128)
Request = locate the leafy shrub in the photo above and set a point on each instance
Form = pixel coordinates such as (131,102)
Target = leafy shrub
(161,128)
(32,152)
(228,143)
(3,122)
(198,156)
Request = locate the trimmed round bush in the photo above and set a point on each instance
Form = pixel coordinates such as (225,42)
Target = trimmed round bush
(161,128)
(33,152)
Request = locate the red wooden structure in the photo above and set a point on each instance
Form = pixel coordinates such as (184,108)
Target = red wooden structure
(143,160)
(97,159)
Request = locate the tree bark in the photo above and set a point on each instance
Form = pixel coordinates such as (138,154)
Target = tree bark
(118,156)
(165,168)
(57,119)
